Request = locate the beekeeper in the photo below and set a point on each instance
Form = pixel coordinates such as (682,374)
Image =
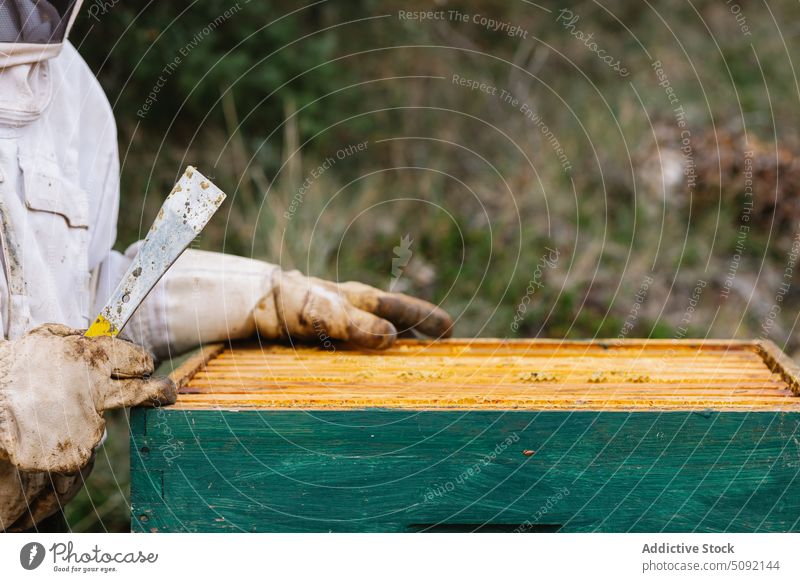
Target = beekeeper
(59,201)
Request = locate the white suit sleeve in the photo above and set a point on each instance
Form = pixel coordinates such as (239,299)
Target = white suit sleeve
(205,297)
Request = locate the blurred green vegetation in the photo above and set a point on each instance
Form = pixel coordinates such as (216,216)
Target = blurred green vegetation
(263,93)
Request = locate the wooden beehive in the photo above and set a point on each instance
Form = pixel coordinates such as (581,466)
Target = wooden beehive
(466,435)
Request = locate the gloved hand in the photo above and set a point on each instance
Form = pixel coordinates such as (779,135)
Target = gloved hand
(212,297)
(55,385)
(306,308)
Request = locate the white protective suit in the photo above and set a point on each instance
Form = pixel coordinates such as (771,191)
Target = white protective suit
(59,202)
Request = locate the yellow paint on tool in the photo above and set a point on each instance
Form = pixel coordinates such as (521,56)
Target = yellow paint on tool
(101,327)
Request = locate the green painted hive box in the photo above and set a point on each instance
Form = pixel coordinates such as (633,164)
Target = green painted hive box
(474,435)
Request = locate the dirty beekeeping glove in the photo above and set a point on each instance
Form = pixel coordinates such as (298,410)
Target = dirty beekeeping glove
(306,308)
(55,385)
(26,498)
(211,297)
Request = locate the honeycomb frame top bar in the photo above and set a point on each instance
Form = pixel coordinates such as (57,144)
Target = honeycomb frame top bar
(486,374)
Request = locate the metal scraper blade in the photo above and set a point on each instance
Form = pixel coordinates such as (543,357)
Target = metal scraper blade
(184,214)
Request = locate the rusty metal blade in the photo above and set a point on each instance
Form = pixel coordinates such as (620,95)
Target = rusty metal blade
(184,214)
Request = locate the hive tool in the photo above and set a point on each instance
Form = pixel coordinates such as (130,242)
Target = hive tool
(184,214)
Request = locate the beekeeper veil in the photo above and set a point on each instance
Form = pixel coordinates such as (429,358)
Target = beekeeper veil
(31,32)
(34,30)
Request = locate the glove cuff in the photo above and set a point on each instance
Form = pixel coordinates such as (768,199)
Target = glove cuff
(270,325)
